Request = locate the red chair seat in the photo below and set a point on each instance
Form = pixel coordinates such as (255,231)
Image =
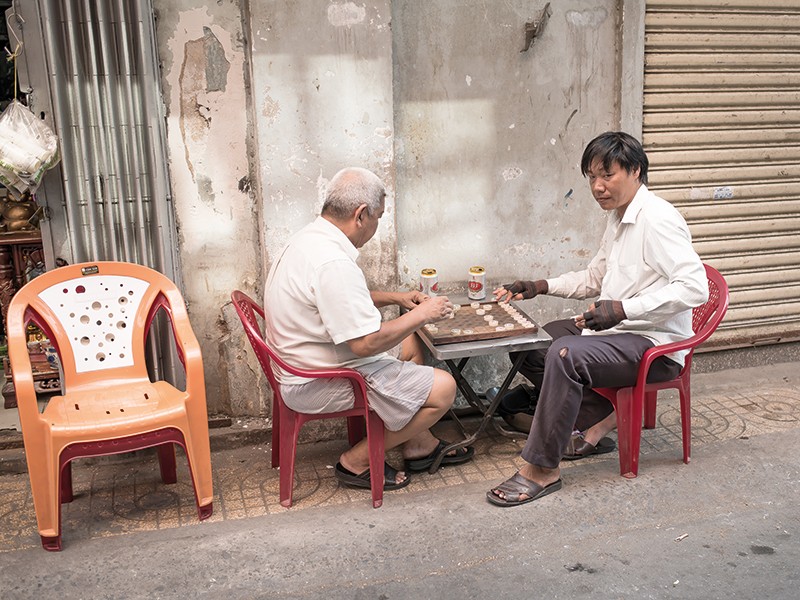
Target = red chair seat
(633,404)
(286,423)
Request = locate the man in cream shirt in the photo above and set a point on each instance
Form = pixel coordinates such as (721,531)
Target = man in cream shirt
(647,278)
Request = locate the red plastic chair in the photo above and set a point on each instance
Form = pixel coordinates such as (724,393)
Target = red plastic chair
(286,423)
(97,315)
(631,402)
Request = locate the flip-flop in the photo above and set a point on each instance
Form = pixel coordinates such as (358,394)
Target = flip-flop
(462,455)
(517,485)
(362,479)
(579,448)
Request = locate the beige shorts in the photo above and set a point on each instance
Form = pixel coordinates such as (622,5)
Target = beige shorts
(395,390)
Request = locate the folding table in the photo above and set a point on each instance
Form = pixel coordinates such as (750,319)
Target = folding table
(456,355)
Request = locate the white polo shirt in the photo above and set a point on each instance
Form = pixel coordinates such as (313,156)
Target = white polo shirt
(646,260)
(316,298)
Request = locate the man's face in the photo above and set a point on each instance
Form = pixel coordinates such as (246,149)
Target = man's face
(369,224)
(613,188)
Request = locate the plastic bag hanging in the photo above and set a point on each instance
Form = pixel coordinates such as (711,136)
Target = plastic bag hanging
(28,148)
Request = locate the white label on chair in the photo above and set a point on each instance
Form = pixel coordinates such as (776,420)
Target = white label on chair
(98,315)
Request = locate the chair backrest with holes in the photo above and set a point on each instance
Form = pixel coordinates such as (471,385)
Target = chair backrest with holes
(97,316)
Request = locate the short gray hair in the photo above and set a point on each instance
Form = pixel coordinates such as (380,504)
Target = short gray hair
(350,188)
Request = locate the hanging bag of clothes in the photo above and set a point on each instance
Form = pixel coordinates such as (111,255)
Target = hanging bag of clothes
(28,148)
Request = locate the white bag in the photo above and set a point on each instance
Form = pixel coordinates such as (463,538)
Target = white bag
(28,147)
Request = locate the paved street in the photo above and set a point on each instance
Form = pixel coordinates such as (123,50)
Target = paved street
(724,526)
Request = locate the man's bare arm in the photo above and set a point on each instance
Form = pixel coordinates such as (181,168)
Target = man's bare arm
(395,331)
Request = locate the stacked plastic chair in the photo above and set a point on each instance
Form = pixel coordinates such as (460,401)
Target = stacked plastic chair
(97,316)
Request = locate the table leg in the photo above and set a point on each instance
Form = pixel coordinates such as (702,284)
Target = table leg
(473,399)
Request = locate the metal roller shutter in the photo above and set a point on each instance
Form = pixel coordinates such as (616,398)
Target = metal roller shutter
(721,126)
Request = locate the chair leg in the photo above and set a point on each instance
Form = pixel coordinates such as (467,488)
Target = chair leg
(166,462)
(355,430)
(198,453)
(290,432)
(650,409)
(66,482)
(46,490)
(276,432)
(376,446)
(686,421)
(629,430)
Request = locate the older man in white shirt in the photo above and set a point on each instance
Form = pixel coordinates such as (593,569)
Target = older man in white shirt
(647,278)
(322,315)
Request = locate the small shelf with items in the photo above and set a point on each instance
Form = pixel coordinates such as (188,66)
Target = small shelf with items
(44,365)
(22,259)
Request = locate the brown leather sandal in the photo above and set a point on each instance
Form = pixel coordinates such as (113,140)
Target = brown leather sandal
(516,486)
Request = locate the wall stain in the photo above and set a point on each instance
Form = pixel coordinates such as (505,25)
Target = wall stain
(204,69)
(346,14)
(271,107)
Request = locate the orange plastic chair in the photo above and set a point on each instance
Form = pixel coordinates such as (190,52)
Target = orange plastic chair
(286,423)
(97,316)
(631,402)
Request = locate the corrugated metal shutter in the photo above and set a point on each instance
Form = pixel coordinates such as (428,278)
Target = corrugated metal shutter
(721,127)
(91,69)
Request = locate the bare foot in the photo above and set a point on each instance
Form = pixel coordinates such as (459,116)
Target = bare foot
(598,431)
(416,448)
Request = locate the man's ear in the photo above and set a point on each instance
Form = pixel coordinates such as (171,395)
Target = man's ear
(359,214)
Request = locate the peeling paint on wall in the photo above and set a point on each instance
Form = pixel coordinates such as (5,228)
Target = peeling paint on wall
(217,66)
(346,14)
(271,108)
(207,128)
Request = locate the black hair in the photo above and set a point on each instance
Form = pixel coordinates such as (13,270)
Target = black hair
(616,147)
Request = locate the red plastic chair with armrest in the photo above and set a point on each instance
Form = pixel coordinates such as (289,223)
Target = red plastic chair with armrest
(286,423)
(633,403)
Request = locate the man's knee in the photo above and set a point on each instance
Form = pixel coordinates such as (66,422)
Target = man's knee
(557,349)
(443,392)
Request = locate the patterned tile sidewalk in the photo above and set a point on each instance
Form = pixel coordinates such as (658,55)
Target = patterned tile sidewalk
(126,495)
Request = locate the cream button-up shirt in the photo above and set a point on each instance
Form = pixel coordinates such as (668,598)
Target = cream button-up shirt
(646,260)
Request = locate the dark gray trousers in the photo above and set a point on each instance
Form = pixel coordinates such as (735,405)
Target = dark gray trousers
(565,373)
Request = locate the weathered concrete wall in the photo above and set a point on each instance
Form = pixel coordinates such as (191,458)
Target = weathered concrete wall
(489,139)
(202,53)
(322,88)
(478,143)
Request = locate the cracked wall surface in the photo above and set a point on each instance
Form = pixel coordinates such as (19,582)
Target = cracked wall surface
(478,143)
(201,48)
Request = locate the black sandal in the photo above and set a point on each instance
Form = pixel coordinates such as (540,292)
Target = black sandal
(362,480)
(461,455)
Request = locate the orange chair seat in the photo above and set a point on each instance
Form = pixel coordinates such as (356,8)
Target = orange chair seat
(127,406)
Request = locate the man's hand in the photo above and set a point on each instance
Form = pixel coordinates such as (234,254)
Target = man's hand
(435,308)
(604,314)
(520,290)
(411,299)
